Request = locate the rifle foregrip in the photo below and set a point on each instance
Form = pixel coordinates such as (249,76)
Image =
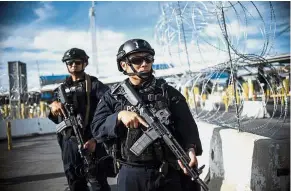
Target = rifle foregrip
(144,141)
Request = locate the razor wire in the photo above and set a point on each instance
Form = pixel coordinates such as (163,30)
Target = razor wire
(212,39)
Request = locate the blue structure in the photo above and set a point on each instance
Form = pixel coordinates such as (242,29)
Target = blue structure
(49,80)
(47,96)
(53,79)
(219,75)
(162,66)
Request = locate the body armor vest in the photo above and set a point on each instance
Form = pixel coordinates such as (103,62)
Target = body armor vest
(79,100)
(155,96)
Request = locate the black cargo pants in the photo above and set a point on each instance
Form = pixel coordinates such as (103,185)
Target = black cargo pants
(144,179)
(148,179)
(72,163)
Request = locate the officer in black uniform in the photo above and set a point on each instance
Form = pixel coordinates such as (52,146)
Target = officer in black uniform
(116,119)
(90,90)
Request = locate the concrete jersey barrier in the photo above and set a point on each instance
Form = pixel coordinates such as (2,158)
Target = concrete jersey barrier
(27,127)
(242,161)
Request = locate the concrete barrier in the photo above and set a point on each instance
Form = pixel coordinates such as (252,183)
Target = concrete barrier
(26,127)
(256,109)
(205,133)
(240,161)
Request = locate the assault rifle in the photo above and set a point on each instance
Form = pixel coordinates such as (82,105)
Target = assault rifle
(70,120)
(158,130)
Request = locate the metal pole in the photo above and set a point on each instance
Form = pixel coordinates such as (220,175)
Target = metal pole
(8,133)
(93,36)
(184,37)
(232,72)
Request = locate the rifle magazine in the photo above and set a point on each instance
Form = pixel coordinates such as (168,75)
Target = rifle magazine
(63,125)
(144,141)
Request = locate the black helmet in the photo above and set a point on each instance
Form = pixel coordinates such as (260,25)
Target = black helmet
(75,53)
(133,46)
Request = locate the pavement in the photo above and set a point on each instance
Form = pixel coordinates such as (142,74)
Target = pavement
(34,164)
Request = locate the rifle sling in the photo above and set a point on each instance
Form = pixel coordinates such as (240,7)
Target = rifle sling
(88,93)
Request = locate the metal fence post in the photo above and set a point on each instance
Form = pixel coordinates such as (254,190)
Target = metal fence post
(9,137)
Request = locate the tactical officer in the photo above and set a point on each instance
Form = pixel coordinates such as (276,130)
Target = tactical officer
(116,119)
(90,90)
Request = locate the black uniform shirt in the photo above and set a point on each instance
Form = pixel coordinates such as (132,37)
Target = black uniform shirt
(104,124)
(97,91)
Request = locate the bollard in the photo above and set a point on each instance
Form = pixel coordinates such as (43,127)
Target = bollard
(22,111)
(237,96)
(9,137)
(268,93)
(230,95)
(196,93)
(6,110)
(30,111)
(186,94)
(203,98)
(286,86)
(251,88)
(246,91)
(42,109)
(225,101)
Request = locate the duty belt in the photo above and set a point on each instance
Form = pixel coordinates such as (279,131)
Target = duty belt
(149,164)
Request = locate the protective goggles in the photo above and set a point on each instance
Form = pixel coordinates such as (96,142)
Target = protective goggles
(71,62)
(138,60)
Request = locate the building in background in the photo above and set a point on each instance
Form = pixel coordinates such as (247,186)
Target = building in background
(17,86)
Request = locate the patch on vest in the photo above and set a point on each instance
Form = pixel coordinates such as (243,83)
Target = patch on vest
(131,108)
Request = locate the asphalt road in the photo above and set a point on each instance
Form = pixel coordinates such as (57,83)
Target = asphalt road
(34,164)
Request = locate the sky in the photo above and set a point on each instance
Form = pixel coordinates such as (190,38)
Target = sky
(38,33)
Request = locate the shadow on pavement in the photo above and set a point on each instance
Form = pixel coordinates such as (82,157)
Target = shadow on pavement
(30,178)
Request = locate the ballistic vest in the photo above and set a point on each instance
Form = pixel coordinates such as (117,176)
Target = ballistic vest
(154,95)
(81,101)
